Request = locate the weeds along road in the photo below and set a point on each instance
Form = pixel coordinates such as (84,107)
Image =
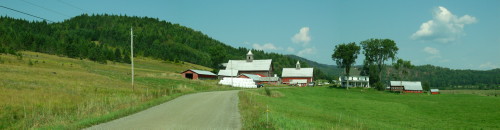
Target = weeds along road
(206,110)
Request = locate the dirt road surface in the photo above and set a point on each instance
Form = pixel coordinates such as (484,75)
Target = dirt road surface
(206,110)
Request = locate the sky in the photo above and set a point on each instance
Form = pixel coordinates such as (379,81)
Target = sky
(458,34)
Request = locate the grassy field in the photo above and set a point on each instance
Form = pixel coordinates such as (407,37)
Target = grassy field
(494,93)
(47,91)
(332,108)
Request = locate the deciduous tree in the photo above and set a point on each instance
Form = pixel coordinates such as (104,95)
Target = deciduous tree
(345,56)
(377,51)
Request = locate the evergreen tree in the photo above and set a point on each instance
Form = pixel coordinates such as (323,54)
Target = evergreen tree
(126,57)
(118,55)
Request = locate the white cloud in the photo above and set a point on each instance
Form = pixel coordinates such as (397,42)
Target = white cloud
(302,36)
(444,27)
(434,55)
(267,46)
(488,65)
(306,51)
(290,49)
(432,51)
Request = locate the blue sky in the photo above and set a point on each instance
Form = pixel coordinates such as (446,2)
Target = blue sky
(457,34)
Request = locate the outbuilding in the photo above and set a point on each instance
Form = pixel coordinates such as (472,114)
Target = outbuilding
(198,74)
(434,91)
(406,86)
(297,76)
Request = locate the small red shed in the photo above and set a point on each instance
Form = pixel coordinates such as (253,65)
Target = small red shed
(434,91)
(198,74)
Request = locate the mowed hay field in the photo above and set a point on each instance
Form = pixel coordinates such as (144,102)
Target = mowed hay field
(47,91)
(333,108)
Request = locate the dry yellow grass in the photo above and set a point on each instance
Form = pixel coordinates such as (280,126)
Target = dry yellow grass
(59,92)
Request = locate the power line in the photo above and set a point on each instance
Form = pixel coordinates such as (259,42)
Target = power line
(26,13)
(53,11)
(74,6)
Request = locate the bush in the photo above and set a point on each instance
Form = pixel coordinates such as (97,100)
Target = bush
(30,63)
(379,86)
(268,91)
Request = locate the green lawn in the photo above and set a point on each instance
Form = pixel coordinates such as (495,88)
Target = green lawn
(332,108)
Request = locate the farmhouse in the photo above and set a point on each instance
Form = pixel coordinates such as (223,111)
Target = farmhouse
(406,86)
(198,74)
(297,75)
(434,91)
(354,79)
(248,66)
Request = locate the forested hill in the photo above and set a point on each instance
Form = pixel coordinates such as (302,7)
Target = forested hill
(105,38)
(331,70)
(446,78)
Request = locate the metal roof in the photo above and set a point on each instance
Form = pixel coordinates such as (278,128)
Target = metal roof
(228,72)
(408,85)
(434,90)
(293,72)
(255,65)
(269,78)
(202,72)
(253,77)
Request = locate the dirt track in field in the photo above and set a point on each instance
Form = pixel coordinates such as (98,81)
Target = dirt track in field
(206,110)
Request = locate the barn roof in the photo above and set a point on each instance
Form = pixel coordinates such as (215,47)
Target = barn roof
(228,72)
(202,72)
(408,85)
(253,77)
(434,90)
(293,72)
(255,65)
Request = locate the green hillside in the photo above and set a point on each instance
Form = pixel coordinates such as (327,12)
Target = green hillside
(47,91)
(105,38)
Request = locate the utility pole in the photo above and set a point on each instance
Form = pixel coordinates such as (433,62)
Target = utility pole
(132,54)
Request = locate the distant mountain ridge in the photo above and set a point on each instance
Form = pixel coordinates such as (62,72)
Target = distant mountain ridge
(330,70)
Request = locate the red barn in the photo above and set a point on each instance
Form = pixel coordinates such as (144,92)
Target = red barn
(198,74)
(297,75)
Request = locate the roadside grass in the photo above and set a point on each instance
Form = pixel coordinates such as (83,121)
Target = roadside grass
(333,108)
(52,92)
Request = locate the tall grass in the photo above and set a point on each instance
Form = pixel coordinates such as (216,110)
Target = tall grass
(330,108)
(47,91)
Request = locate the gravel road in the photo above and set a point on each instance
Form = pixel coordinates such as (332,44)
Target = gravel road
(206,110)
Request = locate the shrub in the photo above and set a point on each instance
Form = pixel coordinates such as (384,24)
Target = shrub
(379,86)
(268,91)
(30,63)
